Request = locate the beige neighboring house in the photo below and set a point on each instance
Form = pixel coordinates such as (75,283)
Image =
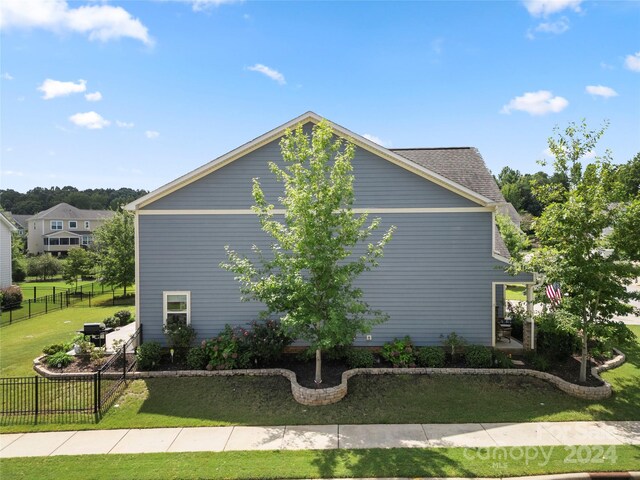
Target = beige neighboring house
(6,229)
(62,228)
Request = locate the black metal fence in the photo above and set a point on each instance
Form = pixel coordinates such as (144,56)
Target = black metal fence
(99,295)
(69,399)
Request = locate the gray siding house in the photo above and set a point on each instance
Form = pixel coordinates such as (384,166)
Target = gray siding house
(442,272)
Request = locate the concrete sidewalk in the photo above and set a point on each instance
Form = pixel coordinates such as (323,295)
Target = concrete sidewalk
(318,437)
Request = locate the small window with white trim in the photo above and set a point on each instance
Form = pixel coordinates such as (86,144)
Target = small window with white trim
(177,307)
(73,224)
(87,224)
(56,224)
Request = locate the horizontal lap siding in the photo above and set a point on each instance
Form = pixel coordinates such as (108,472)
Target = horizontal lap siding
(378,183)
(435,277)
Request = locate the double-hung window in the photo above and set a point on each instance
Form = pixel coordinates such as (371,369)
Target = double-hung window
(56,224)
(177,307)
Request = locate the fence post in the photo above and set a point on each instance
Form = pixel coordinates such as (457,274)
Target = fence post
(46,304)
(36,399)
(95,392)
(90,295)
(34,293)
(10,316)
(29,303)
(61,302)
(54,294)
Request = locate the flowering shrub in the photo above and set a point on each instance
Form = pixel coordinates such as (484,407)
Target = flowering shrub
(266,341)
(228,350)
(179,333)
(11,297)
(401,353)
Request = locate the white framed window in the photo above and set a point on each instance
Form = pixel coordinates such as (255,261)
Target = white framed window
(87,224)
(73,224)
(87,240)
(176,306)
(56,224)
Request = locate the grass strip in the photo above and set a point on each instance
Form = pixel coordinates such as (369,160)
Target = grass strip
(436,462)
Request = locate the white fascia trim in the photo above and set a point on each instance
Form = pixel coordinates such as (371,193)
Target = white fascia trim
(501,258)
(276,211)
(136,235)
(277,132)
(6,221)
(61,232)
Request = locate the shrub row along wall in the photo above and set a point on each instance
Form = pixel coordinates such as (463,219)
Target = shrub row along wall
(327,396)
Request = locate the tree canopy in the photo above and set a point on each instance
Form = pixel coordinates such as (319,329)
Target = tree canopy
(309,277)
(114,243)
(588,241)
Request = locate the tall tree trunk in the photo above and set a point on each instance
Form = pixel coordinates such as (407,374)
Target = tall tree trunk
(318,379)
(585,356)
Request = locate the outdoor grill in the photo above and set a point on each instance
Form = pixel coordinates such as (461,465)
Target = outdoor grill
(97,333)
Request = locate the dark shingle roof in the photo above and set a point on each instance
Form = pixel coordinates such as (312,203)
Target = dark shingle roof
(463,165)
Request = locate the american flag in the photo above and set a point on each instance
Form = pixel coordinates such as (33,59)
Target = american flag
(554,294)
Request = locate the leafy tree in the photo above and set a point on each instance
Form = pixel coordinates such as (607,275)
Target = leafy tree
(79,263)
(516,241)
(43,266)
(309,278)
(592,268)
(114,243)
(629,179)
(18,261)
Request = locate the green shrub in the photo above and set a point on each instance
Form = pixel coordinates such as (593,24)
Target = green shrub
(400,353)
(453,342)
(148,355)
(124,317)
(11,297)
(111,322)
(59,360)
(501,360)
(227,351)
(56,347)
(538,362)
(477,356)
(265,341)
(85,347)
(197,358)
(431,357)
(359,358)
(555,339)
(180,334)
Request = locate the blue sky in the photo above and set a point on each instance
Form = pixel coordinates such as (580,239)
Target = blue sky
(123,93)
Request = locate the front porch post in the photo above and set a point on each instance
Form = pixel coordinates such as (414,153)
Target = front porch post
(528,331)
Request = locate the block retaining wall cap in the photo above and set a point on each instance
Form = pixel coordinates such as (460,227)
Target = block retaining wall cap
(327,396)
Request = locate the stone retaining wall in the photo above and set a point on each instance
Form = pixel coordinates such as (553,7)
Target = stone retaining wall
(327,396)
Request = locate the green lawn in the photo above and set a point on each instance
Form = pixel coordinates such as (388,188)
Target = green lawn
(516,292)
(366,463)
(214,401)
(23,341)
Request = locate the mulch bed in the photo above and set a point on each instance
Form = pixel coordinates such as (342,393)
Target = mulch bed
(332,369)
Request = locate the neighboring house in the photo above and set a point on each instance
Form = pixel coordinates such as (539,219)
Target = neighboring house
(19,221)
(443,271)
(6,230)
(63,227)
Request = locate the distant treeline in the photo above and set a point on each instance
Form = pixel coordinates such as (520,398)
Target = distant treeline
(39,199)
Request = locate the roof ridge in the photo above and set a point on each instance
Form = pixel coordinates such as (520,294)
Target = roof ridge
(432,148)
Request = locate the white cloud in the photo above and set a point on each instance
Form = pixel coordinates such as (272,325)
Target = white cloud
(124,124)
(152,134)
(632,62)
(93,97)
(7,76)
(55,88)
(556,28)
(12,173)
(536,103)
(601,91)
(269,72)
(606,66)
(201,5)
(99,22)
(543,8)
(377,140)
(90,120)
